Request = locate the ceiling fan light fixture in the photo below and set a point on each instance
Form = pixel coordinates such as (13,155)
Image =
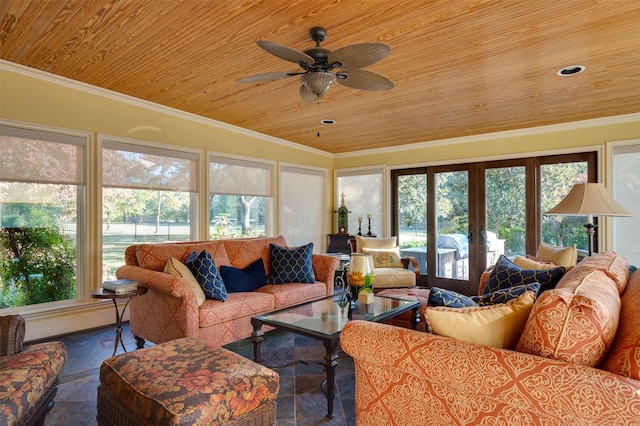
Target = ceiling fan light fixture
(318,81)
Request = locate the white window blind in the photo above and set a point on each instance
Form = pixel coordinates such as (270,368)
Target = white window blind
(34,156)
(626,191)
(228,176)
(143,167)
(302,192)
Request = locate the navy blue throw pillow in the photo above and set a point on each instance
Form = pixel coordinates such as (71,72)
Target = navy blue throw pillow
(206,273)
(248,279)
(506,294)
(291,265)
(449,298)
(507,274)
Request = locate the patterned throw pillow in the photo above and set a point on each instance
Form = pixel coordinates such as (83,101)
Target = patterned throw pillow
(452,299)
(507,274)
(291,265)
(238,280)
(449,298)
(204,269)
(385,258)
(505,294)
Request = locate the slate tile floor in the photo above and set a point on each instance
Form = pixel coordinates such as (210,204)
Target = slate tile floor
(301,400)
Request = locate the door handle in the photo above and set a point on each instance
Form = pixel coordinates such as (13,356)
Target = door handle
(470,234)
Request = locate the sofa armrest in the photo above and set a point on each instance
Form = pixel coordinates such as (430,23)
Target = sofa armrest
(462,383)
(163,283)
(324,269)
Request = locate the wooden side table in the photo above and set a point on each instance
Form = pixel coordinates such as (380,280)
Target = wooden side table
(113,296)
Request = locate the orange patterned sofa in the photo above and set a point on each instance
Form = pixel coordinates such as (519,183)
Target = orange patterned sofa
(577,362)
(170,310)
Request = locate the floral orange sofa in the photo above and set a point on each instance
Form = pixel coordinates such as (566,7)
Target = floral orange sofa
(577,362)
(170,309)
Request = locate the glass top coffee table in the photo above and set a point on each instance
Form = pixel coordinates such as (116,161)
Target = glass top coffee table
(323,319)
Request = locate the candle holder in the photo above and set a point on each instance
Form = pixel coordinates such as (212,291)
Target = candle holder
(369,234)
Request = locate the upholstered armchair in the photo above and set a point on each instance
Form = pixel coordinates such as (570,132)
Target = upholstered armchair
(29,377)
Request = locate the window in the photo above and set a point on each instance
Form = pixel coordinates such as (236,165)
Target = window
(363,194)
(240,194)
(42,176)
(473,213)
(302,194)
(148,195)
(626,191)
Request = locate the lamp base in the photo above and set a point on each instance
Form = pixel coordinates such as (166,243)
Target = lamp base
(591,230)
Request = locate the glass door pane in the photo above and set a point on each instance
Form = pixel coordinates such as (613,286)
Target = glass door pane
(452,224)
(505,194)
(412,217)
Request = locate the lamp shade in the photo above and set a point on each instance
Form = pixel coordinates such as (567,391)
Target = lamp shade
(589,199)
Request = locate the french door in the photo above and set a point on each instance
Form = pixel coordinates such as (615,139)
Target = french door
(474,213)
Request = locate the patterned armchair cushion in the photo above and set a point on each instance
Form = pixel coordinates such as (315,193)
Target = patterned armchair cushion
(576,326)
(27,376)
(506,274)
(496,325)
(237,280)
(624,356)
(291,265)
(204,269)
(185,381)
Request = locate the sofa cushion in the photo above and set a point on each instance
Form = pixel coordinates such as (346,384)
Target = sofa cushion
(155,256)
(452,299)
(616,267)
(624,356)
(293,293)
(179,269)
(243,252)
(385,258)
(291,265)
(506,274)
(561,256)
(375,243)
(575,323)
(250,278)
(206,272)
(496,325)
(243,304)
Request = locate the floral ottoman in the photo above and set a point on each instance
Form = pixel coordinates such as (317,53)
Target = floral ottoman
(185,382)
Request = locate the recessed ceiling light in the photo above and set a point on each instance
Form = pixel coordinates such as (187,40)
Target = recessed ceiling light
(571,70)
(328,121)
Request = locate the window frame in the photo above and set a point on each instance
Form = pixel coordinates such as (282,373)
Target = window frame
(84,271)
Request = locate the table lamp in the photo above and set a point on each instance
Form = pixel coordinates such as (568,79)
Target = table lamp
(589,199)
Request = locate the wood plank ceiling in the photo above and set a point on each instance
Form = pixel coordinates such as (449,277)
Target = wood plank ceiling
(461,67)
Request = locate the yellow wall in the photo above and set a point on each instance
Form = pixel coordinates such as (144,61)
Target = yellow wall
(35,97)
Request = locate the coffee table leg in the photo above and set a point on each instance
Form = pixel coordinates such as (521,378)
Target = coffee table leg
(330,363)
(257,336)
(415,317)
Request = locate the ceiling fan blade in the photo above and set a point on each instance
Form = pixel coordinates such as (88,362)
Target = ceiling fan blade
(266,77)
(359,55)
(365,80)
(284,52)
(307,95)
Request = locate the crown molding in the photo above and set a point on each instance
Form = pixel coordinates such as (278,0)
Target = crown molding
(572,125)
(141,103)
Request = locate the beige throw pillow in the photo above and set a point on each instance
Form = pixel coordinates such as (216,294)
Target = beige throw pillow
(561,256)
(179,269)
(375,243)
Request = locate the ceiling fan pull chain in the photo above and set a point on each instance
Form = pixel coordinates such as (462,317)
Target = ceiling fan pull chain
(318,122)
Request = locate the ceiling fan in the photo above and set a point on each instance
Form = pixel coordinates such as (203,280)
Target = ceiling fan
(318,63)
